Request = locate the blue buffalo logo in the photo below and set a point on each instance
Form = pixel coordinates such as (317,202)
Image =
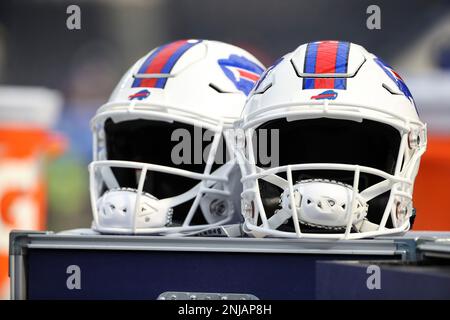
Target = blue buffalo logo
(241,71)
(140,95)
(396,78)
(328,94)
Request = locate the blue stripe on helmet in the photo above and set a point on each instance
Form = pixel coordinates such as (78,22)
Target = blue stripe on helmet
(143,68)
(342,64)
(161,82)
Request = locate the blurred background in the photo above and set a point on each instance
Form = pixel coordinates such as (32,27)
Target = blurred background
(81,67)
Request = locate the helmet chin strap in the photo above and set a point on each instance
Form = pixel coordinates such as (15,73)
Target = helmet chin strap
(365,226)
(109,178)
(376,190)
(361,224)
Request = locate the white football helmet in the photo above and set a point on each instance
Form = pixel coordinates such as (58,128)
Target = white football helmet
(151,174)
(349,146)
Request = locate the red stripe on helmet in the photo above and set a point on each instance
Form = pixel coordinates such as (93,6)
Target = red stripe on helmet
(248,75)
(326,63)
(159,61)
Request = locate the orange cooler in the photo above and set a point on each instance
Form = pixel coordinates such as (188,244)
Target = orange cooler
(432,187)
(26,116)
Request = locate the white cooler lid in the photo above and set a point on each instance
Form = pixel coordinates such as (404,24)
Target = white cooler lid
(36,106)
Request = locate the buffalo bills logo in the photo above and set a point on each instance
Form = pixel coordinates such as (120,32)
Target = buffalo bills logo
(140,95)
(328,94)
(396,78)
(241,71)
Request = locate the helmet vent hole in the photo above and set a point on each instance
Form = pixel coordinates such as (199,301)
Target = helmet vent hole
(389,89)
(216,88)
(343,206)
(331,202)
(308,201)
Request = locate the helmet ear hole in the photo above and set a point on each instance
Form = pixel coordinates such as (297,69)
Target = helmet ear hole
(414,140)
